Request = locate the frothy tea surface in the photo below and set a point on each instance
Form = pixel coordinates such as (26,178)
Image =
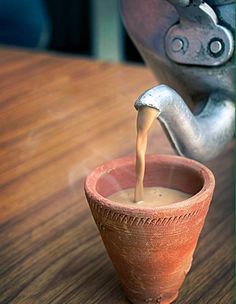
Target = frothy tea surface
(153,197)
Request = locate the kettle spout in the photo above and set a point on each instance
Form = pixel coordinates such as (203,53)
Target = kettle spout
(201,137)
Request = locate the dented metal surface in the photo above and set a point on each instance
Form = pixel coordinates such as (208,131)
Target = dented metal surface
(189,46)
(201,137)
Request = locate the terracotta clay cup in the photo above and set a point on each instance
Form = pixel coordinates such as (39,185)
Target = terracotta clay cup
(151,248)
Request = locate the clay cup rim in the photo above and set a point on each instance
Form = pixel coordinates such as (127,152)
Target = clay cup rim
(201,170)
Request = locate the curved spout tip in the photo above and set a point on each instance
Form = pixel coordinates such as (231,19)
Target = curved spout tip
(153,96)
(200,137)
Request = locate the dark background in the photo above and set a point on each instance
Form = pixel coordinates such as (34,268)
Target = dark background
(68,26)
(72,31)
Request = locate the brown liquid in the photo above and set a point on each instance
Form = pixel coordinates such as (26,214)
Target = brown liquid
(153,196)
(145,118)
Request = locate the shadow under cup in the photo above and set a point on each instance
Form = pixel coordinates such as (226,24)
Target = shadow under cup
(151,248)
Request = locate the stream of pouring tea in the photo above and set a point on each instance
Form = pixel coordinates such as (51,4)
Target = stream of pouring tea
(145,118)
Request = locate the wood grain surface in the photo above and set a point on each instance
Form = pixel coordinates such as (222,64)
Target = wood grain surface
(60,118)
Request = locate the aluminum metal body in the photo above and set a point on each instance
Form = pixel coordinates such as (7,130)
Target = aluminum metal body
(201,137)
(189,45)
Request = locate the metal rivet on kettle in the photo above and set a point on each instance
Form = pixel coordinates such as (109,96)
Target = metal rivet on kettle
(215,46)
(177,44)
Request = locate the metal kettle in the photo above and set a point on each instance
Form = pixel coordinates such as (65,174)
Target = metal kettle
(189,45)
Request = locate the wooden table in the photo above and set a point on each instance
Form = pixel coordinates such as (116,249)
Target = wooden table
(60,118)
